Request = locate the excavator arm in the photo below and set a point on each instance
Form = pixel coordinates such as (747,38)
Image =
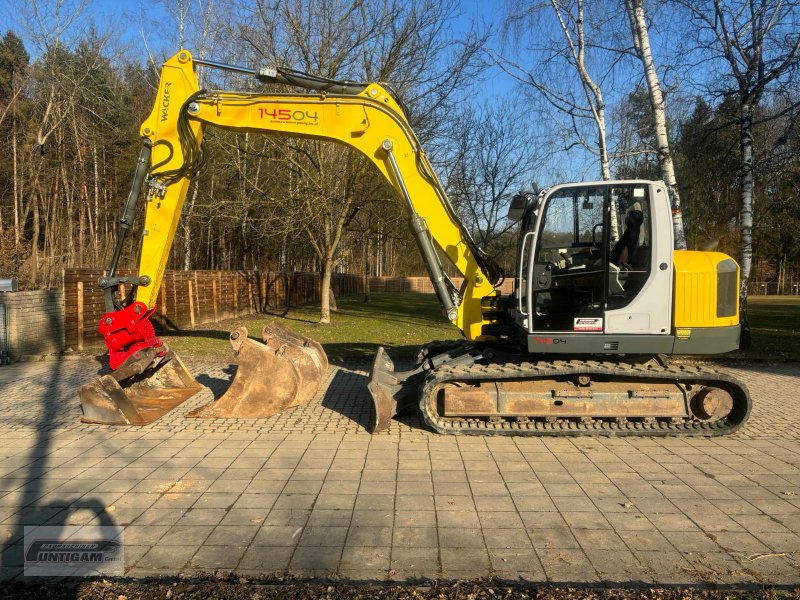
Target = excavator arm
(369,120)
(364,117)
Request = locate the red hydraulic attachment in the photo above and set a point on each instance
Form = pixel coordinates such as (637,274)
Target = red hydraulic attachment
(128,331)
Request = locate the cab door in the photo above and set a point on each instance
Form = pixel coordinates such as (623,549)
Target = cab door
(570,262)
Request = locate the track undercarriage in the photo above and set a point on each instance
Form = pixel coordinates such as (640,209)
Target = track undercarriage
(466,394)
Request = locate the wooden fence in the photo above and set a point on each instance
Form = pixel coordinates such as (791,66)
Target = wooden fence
(191,298)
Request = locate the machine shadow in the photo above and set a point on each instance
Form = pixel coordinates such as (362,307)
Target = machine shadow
(30,510)
(217,385)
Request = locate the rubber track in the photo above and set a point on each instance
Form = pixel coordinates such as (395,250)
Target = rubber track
(620,372)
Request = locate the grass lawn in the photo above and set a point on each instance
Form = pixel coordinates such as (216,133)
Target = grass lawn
(399,322)
(404,322)
(775,325)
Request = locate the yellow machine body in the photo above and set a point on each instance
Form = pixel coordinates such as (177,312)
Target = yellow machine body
(700,285)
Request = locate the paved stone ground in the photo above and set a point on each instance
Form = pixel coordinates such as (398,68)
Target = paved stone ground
(310,491)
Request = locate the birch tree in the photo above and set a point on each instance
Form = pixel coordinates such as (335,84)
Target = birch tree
(641,43)
(581,103)
(753,45)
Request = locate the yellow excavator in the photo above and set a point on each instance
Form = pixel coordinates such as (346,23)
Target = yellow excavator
(600,296)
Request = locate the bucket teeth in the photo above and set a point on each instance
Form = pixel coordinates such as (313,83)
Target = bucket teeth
(284,371)
(142,398)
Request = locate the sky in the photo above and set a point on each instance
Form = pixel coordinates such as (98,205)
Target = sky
(145,28)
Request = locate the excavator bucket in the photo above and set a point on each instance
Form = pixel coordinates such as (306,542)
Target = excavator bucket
(284,371)
(140,392)
(392,391)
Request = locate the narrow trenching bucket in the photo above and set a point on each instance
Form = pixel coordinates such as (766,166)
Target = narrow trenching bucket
(130,397)
(284,371)
(392,391)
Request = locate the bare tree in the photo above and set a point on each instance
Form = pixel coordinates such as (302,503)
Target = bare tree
(407,44)
(641,44)
(754,47)
(581,103)
(495,158)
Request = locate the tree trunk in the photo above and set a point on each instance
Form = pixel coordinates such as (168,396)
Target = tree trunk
(325,292)
(746,141)
(16,186)
(334,306)
(35,241)
(367,251)
(641,42)
(187,231)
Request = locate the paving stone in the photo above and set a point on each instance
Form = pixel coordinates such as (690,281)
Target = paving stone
(231,535)
(672,511)
(415,562)
(202,516)
(217,557)
(316,559)
(180,535)
(373,518)
(361,563)
(167,558)
(415,537)
(553,538)
(415,518)
(418,502)
(471,560)
(369,536)
(266,559)
(567,565)
(617,568)
(278,535)
(451,537)
(506,538)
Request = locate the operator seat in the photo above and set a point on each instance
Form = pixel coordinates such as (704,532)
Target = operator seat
(622,254)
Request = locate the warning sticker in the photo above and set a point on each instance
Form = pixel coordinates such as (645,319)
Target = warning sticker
(588,324)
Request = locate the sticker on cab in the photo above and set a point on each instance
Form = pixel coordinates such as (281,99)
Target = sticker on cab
(587,324)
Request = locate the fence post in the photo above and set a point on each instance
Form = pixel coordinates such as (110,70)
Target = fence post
(214,298)
(191,304)
(235,295)
(197,298)
(164,300)
(250,295)
(80,315)
(263,301)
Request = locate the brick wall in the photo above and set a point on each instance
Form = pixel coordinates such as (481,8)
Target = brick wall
(34,322)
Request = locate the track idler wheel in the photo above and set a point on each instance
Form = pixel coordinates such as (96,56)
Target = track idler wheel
(711,404)
(284,371)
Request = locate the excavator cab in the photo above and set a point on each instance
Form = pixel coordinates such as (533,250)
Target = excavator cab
(585,268)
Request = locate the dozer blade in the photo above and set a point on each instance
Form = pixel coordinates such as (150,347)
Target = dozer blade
(284,371)
(139,392)
(391,391)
